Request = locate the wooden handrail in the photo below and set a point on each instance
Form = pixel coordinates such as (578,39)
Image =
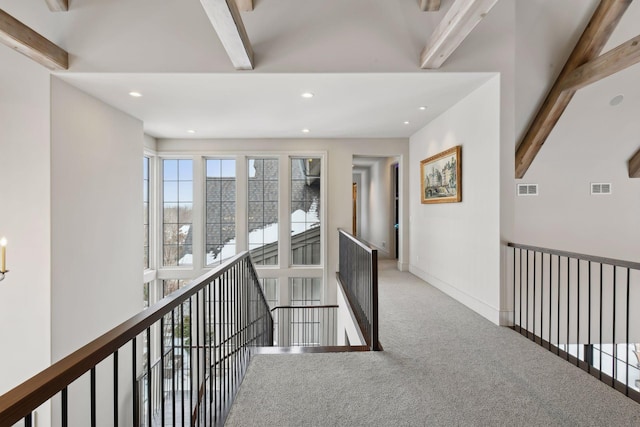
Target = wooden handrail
(362,243)
(304,306)
(29,395)
(602,260)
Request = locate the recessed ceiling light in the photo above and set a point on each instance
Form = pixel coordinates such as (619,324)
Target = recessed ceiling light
(422,108)
(616,100)
(135,94)
(406,122)
(191,131)
(305,131)
(307,95)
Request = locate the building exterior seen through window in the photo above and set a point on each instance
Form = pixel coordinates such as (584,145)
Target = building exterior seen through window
(305,211)
(220,217)
(263,210)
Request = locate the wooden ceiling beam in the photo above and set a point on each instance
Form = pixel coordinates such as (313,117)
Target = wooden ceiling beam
(245,5)
(461,18)
(634,166)
(600,27)
(623,56)
(225,18)
(430,5)
(18,36)
(58,5)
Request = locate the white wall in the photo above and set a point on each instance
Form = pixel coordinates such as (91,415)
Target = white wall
(456,246)
(24,218)
(96,192)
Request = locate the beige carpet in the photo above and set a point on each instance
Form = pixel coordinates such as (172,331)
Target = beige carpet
(442,365)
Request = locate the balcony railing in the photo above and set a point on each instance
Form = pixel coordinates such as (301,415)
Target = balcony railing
(203,335)
(305,326)
(358,277)
(584,308)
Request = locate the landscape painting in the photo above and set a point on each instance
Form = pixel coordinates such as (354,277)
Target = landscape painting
(441,177)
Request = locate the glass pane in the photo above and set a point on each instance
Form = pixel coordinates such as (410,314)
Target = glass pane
(170,194)
(263,210)
(170,170)
(305,290)
(305,211)
(220,210)
(185,170)
(178,212)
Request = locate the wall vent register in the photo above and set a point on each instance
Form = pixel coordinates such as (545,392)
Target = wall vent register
(599,188)
(527,189)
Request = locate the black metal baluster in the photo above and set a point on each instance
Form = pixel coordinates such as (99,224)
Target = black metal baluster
(600,329)
(590,355)
(182,359)
(190,363)
(520,294)
(568,340)
(115,389)
(65,406)
(93,396)
(173,367)
(134,381)
(550,299)
(613,332)
(534,296)
(27,420)
(161,368)
(578,316)
(626,390)
(558,317)
(514,288)
(149,378)
(204,354)
(542,299)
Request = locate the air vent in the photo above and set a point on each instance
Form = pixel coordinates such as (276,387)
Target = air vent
(527,189)
(599,188)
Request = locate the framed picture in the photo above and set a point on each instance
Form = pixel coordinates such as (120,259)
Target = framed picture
(441,177)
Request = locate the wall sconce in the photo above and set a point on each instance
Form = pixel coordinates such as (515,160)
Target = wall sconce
(3,258)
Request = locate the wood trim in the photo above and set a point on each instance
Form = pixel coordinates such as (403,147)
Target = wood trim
(617,59)
(225,18)
(430,5)
(634,166)
(244,5)
(458,22)
(600,27)
(58,5)
(18,36)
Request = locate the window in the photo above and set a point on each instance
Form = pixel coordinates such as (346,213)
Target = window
(263,210)
(145,208)
(177,212)
(170,286)
(220,238)
(305,290)
(305,211)
(270,289)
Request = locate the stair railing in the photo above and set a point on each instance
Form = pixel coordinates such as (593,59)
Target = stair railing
(358,277)
(208,331)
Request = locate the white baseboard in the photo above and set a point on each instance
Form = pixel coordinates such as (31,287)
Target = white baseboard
(493,314)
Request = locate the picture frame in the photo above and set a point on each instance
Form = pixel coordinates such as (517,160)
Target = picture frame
(441,177)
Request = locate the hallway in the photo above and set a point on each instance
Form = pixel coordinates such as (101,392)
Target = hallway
(442,365)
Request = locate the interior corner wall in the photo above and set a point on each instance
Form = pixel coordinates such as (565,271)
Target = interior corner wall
(96,170)
(379,204)
(24,218)
(456,246)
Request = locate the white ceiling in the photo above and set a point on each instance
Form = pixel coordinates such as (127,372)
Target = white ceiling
(244,105)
